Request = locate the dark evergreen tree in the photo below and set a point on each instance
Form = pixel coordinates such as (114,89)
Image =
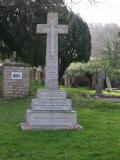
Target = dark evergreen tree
(18,20)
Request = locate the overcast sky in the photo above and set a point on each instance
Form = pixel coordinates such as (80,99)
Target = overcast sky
(103,11)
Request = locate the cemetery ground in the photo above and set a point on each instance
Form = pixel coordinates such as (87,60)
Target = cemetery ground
(99,140)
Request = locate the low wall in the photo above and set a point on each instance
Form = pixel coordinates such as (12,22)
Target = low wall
(15,79)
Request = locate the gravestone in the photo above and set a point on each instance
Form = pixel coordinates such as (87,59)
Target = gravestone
(33,74)
(40,74)
(51,109)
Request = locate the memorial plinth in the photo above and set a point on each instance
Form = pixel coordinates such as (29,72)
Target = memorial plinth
(51,109)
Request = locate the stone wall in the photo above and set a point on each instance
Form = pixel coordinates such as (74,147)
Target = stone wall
(14,86)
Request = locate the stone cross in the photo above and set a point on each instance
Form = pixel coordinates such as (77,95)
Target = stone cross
(52,29)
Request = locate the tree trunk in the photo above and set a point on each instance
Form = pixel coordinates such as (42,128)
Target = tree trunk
(108,83)
(62,70)
(69,81)
(93,81)
(66,80)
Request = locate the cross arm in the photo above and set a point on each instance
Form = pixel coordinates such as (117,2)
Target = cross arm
(62,29)
(42,28)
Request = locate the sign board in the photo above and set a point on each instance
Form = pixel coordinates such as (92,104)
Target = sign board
(16,75)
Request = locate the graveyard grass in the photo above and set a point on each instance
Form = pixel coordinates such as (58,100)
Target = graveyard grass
(100,139)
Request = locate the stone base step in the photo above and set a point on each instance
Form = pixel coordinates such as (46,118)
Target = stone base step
(51,104)
(51,119)
(25,127)
(51,94)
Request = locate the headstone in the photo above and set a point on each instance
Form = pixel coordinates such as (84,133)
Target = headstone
(38,71)
(33,74)
(100,83)
(51,109)
(39,74)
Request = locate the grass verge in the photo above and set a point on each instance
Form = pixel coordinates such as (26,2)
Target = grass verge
(100,139)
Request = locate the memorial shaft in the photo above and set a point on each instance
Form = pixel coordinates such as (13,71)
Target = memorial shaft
(52,29)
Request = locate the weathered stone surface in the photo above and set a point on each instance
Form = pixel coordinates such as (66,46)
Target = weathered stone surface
(51,94)
(51,120)
(52,29)
(51,104)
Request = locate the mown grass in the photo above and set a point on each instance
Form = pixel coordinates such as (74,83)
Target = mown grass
(100,139)
(87,91)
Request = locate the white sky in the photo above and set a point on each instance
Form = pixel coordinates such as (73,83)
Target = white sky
(103,11)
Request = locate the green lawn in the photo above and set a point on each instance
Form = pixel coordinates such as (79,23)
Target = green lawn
(100,139)
(88,91)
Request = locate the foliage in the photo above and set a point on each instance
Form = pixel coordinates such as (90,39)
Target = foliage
(100,35)
(111,59)
(18,20)
(76,46)
(109,63)
(77,69)
(80,69)
(99,140)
